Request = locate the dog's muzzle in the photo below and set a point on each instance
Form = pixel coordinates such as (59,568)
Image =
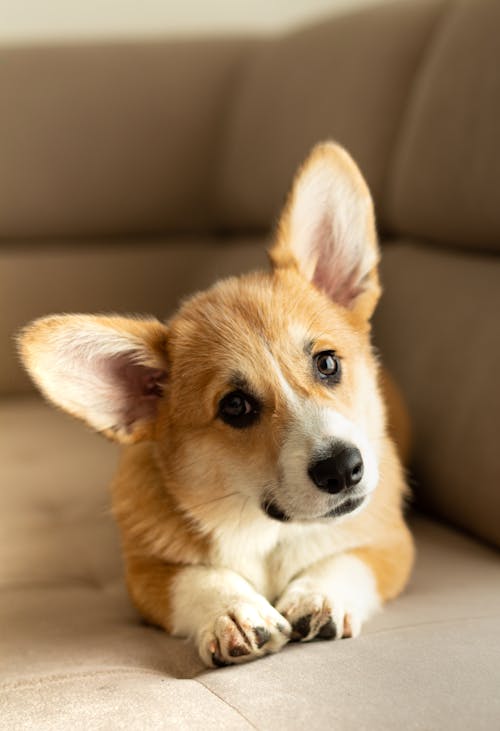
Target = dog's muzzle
(337,474)
(340,471)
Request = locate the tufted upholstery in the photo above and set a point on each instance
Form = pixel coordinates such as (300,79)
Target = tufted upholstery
(135,172)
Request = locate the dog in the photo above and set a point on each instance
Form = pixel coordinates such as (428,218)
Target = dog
(260,494)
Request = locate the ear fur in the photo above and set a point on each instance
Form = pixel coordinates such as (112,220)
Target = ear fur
(107,371)
(327,230)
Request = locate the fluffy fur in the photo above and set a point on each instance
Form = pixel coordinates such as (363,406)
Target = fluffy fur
(227,539)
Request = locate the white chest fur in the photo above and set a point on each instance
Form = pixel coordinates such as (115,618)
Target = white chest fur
(270,554)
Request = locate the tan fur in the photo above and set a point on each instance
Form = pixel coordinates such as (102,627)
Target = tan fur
(398,420)
(188,495)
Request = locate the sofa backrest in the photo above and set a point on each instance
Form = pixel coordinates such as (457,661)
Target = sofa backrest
(166,136)
(112,139)
(444,181)
(349,77)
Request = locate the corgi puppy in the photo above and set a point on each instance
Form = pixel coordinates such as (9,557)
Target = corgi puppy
(260,494)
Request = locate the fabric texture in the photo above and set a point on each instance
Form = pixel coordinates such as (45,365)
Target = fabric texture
(437,327)
(134,138)
(445,178)
(112,138)
(330,80)
(76,655)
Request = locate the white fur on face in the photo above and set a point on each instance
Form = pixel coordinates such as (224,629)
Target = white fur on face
(313,431)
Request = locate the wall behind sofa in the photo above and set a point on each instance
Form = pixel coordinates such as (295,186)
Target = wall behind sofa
(35,20)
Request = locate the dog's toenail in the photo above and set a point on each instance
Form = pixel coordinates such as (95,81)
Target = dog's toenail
(328,631)
(262,635)
(302,626)
(218,662)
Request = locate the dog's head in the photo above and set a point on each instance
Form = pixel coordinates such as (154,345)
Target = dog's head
(263,386)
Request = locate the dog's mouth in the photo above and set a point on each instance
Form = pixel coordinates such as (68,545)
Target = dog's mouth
(270,508)
(347,506)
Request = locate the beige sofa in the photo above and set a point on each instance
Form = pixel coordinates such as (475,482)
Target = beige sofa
(134,173)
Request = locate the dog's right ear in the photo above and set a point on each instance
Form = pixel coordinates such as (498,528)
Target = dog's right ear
(107,371)
(327,230)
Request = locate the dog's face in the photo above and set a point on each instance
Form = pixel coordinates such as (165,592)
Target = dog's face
(263,386)
(272,394)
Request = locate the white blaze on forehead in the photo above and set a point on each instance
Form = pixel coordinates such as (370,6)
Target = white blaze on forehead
(298,333)
(299,336)
(292,398)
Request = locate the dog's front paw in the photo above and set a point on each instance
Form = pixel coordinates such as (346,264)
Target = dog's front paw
(242,633)
(313,615)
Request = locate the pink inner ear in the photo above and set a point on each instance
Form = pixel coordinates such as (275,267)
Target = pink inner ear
(332,274)
(140,388)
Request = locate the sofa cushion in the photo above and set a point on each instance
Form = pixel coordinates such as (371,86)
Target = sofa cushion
(112,138)
(75,654)
(437,328)
(348,77)
(444,184)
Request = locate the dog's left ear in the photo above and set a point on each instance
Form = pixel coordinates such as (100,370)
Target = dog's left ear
(108,371)
(327,230)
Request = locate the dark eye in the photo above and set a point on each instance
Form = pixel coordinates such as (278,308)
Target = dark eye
(328,366)
(238,409)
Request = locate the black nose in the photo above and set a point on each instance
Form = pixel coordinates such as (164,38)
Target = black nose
(342,470)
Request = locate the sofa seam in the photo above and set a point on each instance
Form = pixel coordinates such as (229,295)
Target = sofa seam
(235,89)
(32,683)
(227,703)
(429,623)
(413,86)
(61,678)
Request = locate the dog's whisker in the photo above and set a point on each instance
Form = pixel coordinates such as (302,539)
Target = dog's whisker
(214,500)
(241,512)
